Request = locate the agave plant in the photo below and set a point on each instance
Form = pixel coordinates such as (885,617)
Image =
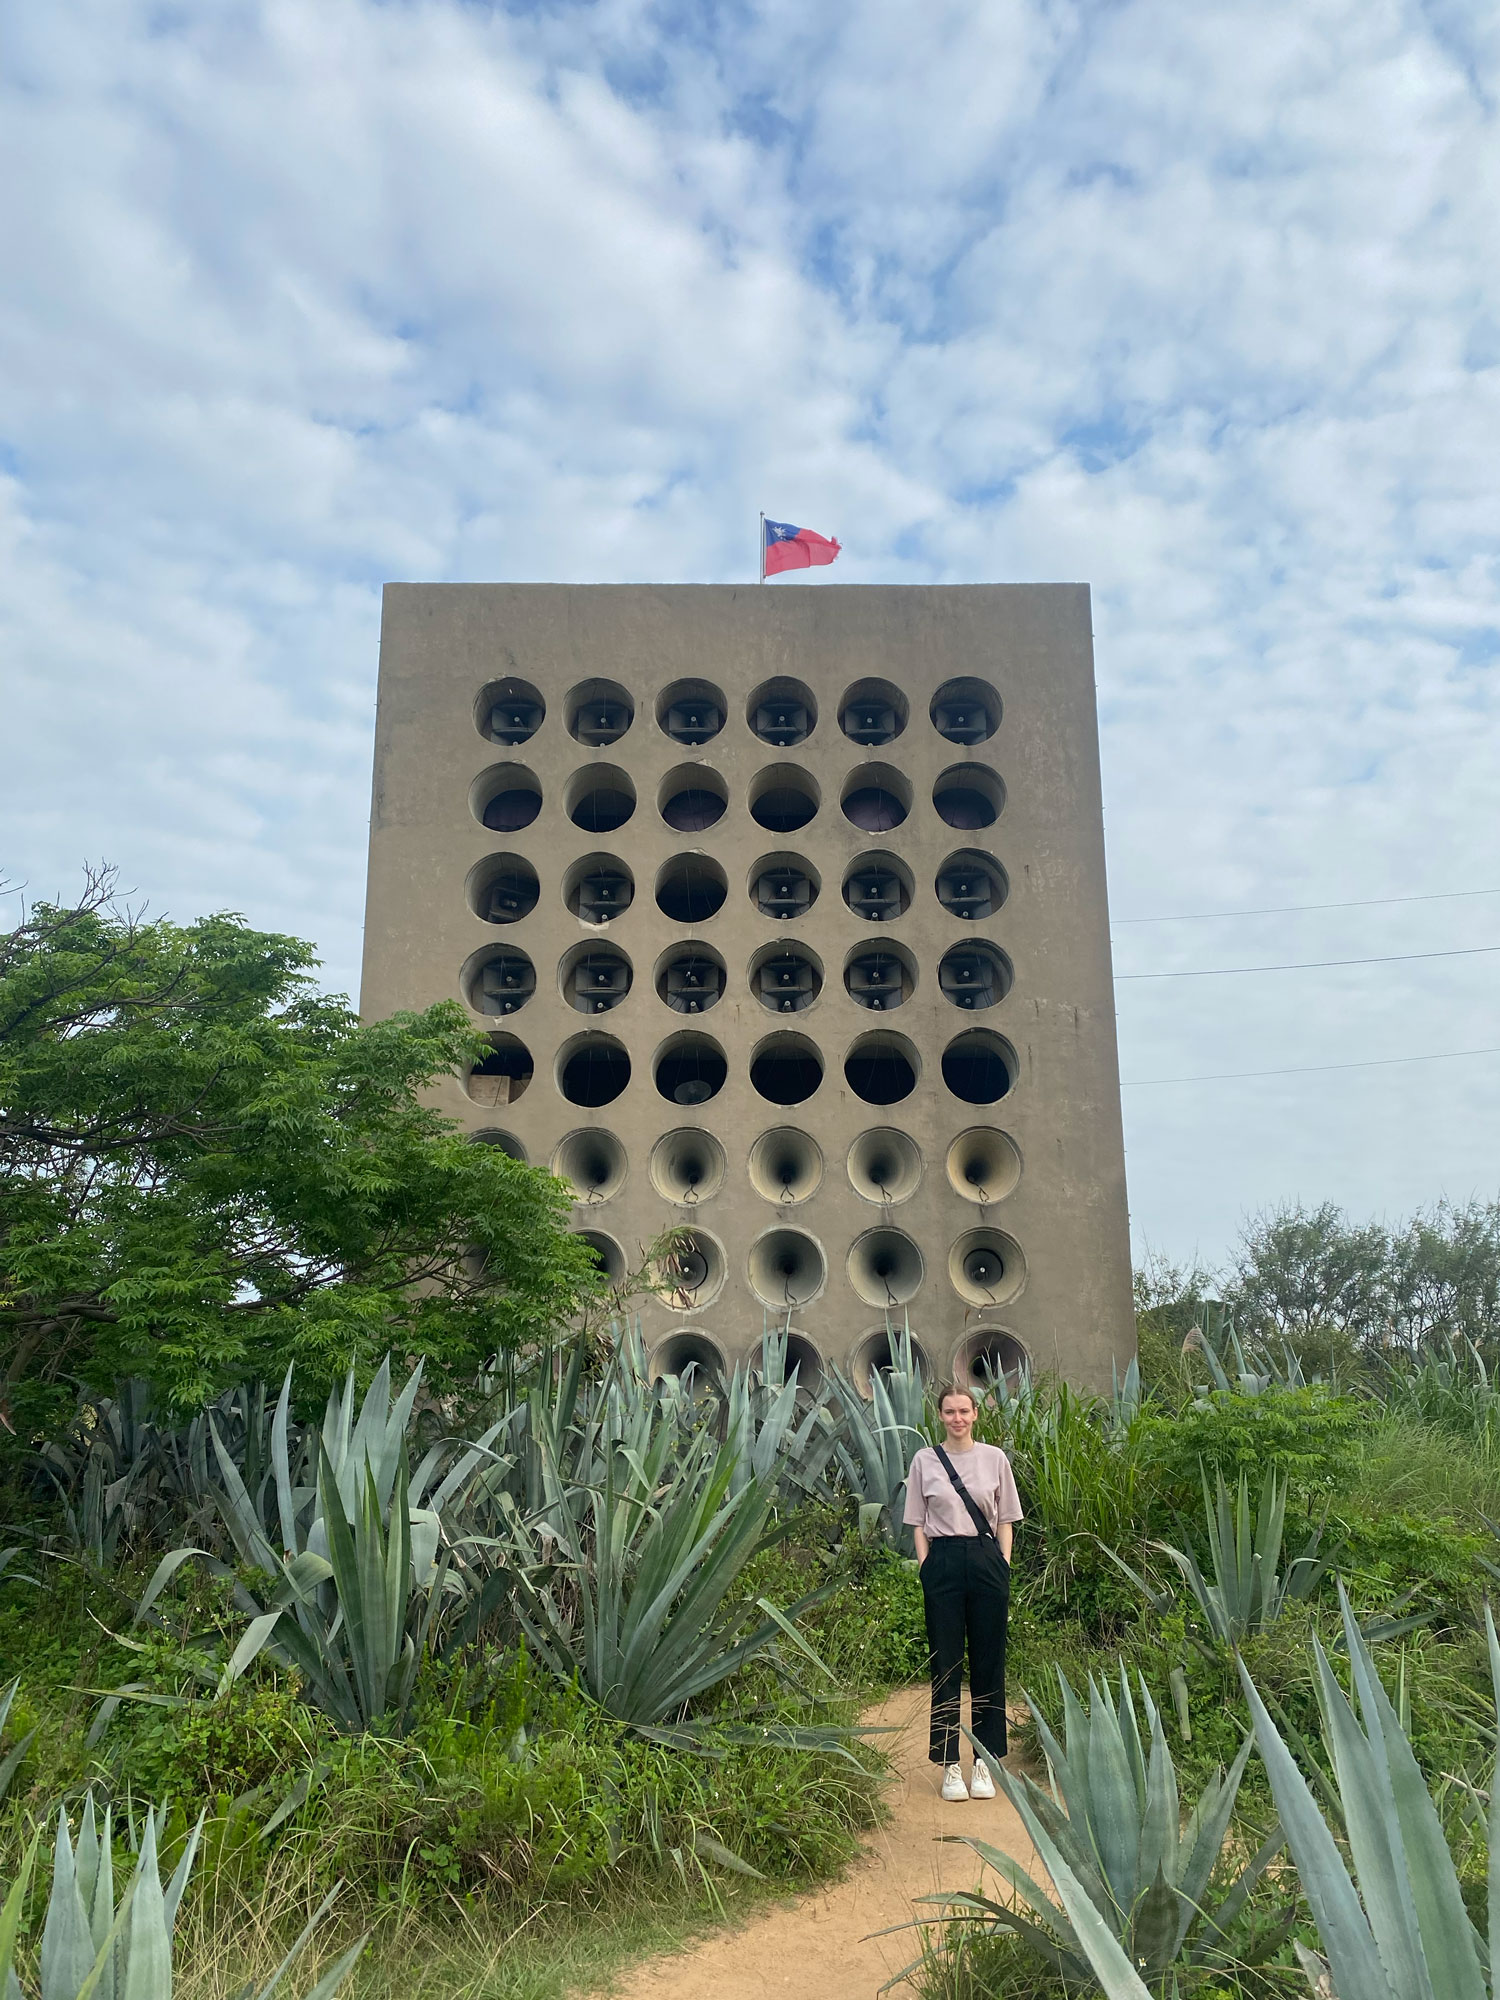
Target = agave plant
(13,1759)
(1112,1815)
(1256,1369)
(94,1950)
(877,1439)
(770,1443)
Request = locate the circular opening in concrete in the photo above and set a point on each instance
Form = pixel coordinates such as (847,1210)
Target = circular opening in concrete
(786,1069)
(786,978)
(986,1267)
(598,888)
(876,1355)
(509,711)
(609,1258)
(885,1267)
(882,1069)
(782,712)
(600,798)
(989,1358)
(873,713)
(971,885)
(692,798)
(690,1069)
(506,797)
(979,1067)
(691,712)
(885,1165)
(784,886)
(965,711)
(690,978)
(594,977)
(690,889)
(689,1271)
(503,1075)
(692,1356)
(969,796)
(804,1361)
(786,1165)
(783,798)
(598,712)
(687,1165)
(503,1142)
(786,1267)
(880,977)
(984,1165)
(878,888)
(876,798)
(974,976)
(500,979)
(592,1162)
(592,1070)
(502,888)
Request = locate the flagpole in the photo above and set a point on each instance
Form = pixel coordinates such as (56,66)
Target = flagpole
(762,546)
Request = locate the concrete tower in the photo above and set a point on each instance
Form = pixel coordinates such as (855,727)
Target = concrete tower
(784,910)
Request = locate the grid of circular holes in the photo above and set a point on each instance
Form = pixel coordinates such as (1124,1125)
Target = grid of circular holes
(873,713)
(876,1355)
(509,711)
(594,977)
(880,977)
(687,1166)
(690,889)
(692,798)
(884,1165)
(990,1357)
(782,712)
(965,711)
(971,885)
(592,1069)
(876,798)
(882,1069)
(786,1069)
(690,712)
(592,1162)
(786,1165)
(968,796)
(609,1258)
(498,980)
(506,797)
(503,1142)
(600,798)
(885,1267)
(598,713)
(690,1271)
(690,978)
(691,1356)
(502,888)
(979,1067)
(783,799)
(786,1267)
(878,888)
(503,1075)
(784,886)
(785,978)
(974,976)
(984,1165)
(598,888)
(986,1267)
(689,1069)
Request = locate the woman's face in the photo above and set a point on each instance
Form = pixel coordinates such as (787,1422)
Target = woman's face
(957,1413)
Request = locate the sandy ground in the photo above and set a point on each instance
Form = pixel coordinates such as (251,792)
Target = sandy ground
(822,1944)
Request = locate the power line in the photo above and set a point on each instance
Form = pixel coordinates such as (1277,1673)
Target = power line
(1312,1069)
(1294,909)
(1309,964)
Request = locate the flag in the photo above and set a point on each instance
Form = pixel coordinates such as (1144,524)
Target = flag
(787,547)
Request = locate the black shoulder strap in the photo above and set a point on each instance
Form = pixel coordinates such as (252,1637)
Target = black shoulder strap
(965,1495)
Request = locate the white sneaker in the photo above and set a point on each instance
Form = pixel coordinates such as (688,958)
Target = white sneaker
(953,1783)
(981,1784)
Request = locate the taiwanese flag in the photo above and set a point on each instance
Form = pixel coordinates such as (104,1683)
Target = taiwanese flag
(795,548)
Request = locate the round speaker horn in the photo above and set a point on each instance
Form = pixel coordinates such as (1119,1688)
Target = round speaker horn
(986,1267)
(885,1267)
(785,1165)
(885,1165)
(983,1165)
(687,1166)
(786,1268)
(594,1162)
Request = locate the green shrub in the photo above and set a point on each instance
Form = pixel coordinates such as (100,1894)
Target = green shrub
(1311,1437)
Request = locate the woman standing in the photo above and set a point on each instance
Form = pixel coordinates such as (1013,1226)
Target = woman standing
(962,1503)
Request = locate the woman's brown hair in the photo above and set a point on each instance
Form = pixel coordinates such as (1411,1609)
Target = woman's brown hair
(958,1389)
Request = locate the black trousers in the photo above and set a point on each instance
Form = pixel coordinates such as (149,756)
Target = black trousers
(966,1595)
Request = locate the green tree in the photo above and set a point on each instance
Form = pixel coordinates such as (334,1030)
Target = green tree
(1445,1277)
(1312,1278)
(208,1169)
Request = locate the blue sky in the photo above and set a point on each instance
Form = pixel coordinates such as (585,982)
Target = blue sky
(1198,303)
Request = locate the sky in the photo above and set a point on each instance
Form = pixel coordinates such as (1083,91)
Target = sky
(1197,303)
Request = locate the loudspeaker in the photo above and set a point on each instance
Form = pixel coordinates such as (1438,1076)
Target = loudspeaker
(885,1165)
(687,1165)
(983,1165)
(594,1162)
(787,1268)
(885,1267)
(785,1165)
(986,1267)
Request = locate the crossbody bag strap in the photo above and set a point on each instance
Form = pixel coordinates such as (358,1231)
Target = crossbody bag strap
(965,1495)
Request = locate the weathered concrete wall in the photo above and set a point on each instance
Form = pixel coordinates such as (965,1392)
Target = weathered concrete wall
(1064,1290)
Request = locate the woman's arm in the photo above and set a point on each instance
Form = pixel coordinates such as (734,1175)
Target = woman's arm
(1004,1534)
(919,1536)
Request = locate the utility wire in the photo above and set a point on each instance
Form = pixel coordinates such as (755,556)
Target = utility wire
(1312,1069)
(1309,964)
(1294,909)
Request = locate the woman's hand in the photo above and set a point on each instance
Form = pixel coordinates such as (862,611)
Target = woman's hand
(1004,1535)
(920,1539)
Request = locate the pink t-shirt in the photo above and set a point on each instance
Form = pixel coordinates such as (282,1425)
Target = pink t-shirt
(932,1504)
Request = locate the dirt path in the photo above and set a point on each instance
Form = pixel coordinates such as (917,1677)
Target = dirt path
(821,1944)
